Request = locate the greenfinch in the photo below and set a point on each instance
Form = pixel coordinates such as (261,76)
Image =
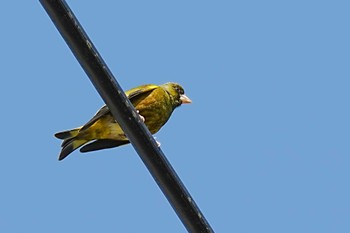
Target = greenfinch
(154,104)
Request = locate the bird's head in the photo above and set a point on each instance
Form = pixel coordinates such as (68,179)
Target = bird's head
(177,93)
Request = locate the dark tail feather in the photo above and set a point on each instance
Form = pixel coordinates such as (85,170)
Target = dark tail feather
(69,146)
(102,144)
(67,134)
(70,142)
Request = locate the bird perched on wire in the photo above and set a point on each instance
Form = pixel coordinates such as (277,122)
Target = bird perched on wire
(154,104)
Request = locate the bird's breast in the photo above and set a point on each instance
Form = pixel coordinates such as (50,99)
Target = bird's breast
(156,109)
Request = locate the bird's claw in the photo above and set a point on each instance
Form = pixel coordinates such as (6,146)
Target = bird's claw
(158,143)
(141,117)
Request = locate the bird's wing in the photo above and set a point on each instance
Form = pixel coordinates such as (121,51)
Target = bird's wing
(102,112)
(131,94)
(137,91)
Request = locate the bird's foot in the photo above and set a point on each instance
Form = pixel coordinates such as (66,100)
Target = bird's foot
(158,143)
(141,117)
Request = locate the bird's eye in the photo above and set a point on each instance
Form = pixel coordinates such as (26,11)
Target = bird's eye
(180,91)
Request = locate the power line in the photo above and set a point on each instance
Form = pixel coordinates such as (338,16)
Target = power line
(124,112)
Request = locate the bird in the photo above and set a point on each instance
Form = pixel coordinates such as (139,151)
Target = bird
(154,104)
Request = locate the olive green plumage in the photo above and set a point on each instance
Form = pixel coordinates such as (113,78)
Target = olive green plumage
(155,105)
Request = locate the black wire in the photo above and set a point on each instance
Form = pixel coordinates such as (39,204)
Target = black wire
(126,115)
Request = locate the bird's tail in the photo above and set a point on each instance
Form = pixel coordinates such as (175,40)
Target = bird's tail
(71,142)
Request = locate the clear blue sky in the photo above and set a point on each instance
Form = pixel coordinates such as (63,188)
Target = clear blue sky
(263,148)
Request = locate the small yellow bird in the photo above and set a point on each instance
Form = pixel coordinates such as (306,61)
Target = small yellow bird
(154,104)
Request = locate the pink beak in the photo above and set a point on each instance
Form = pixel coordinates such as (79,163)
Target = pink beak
(184,99)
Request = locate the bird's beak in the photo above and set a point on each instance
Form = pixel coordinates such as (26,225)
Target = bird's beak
(184,99)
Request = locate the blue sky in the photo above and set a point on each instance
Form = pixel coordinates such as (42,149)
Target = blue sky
(264,147)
